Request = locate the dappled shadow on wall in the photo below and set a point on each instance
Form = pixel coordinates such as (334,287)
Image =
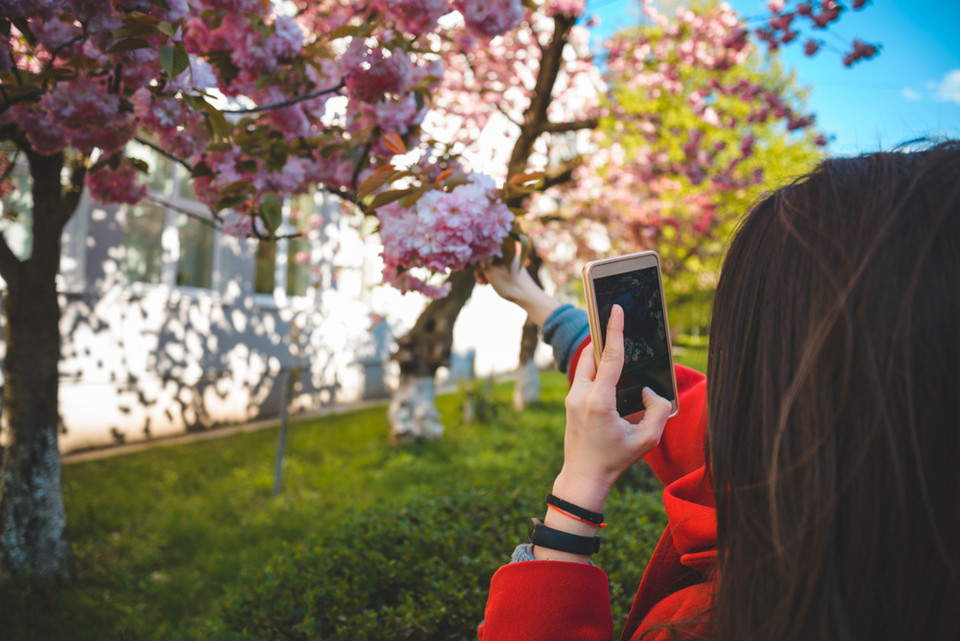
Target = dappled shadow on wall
(146,353)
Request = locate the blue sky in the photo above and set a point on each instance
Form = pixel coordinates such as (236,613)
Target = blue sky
(911,90)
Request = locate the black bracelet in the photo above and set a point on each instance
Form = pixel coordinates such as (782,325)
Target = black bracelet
(593,517)
(547,537)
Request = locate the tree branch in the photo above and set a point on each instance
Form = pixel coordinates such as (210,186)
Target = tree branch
(286,103)
(535,116)
(561,175)
(163,152)
(9,101)
(573,125)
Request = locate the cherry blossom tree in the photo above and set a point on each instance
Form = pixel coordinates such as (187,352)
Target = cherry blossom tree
(691,137)
(709,42)
(262,101)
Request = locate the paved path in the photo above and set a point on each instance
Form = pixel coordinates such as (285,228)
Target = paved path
(206,435)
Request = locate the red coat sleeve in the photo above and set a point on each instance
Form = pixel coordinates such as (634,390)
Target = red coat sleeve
(548,600)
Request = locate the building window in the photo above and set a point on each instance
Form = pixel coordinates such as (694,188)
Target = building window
(195,262)
(143,252)
(169,237)
(265,267)
(298,266)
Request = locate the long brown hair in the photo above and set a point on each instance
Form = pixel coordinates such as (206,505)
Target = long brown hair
(834,406)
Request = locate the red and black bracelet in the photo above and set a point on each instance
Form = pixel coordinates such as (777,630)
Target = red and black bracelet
(547,537)
(575,511)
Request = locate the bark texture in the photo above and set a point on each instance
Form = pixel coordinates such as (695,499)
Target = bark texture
(33,524)
(413,414)
(526,390)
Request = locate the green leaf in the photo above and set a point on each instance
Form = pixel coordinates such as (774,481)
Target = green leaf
(219,127)
(128,44)
(201,170)
(236,187)
(389,196)
(139,165)
(174,59)
(271,211)
(227,202)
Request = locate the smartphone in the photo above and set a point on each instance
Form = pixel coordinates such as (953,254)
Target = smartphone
(635,283)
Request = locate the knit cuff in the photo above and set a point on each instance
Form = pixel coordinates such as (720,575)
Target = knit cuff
(523,552)
(564,330)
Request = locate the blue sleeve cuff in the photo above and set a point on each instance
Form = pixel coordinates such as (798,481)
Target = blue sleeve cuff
(564,330)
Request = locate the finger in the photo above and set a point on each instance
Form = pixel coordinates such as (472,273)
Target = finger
(611,361)
(586,366)
(656,411)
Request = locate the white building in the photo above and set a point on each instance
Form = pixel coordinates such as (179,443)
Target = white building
(169,325)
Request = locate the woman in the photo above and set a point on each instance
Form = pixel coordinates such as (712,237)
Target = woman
(824,502)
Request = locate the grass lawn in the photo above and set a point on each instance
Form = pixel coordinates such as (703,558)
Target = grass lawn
(167,538)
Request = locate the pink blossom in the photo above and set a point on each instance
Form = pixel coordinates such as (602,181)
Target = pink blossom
(55,34)
(287,39)
(89,115)
(119,185)
(44,134)
(406,282)
(369,74)
(415,16)
(861,51)
(566,7)
(445,230)
(489,18)
(398,116)
(301,257)
(241,227)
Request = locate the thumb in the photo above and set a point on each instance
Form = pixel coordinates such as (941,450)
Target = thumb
(655,414)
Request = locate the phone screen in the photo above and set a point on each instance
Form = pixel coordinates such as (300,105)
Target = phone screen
(646,349)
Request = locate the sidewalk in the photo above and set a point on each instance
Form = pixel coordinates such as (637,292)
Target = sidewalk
(213,432)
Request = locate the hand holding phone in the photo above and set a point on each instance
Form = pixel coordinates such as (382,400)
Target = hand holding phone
(599,444)
(633,282)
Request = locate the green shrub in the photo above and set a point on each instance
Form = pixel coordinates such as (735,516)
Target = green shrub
(421,571)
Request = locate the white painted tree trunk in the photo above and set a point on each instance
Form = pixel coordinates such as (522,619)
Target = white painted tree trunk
(413,414)
(526,389)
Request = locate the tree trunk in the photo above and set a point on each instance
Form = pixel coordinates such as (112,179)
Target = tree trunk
(526,389)
(413,414)
(33,524)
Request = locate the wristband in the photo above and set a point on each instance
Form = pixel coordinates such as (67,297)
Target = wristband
(596,518)
(547,537)
(575,518)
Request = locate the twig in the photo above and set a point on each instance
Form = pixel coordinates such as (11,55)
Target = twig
(573,125)
(286,103)
(157,149)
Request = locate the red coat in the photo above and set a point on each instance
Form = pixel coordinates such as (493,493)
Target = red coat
(560,601)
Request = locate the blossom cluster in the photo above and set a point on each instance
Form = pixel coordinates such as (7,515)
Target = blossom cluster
(491,17)
(444,230)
